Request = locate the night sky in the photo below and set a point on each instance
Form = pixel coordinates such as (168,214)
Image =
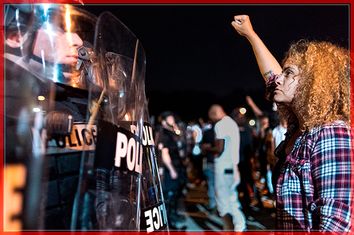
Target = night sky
(195,58)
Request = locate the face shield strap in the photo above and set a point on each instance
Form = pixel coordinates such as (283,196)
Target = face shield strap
(13,50)
(45,71)
(60,67)
(82,63)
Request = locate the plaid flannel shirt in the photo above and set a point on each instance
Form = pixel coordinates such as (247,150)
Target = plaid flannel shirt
(314,187)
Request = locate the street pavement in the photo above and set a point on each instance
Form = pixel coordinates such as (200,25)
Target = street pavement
(199,218)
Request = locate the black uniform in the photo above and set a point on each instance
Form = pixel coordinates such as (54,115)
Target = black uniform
(171,187)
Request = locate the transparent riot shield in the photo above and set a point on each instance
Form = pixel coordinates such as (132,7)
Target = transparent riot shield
(118,160)
(28,99)
(153,210)
(59,55)
(125,157)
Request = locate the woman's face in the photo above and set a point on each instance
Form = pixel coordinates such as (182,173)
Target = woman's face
(287,84)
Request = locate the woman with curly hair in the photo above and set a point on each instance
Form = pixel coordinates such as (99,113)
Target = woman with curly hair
(312,91)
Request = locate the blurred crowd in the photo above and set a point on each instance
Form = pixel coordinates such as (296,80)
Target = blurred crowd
(187,155)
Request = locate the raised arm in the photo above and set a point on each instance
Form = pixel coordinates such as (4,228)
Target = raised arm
(267,64)
(257,111)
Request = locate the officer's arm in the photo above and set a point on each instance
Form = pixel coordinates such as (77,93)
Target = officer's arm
(166,159)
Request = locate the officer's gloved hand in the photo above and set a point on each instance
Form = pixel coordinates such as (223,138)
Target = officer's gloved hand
(58,124)
(121,212)
(102,209)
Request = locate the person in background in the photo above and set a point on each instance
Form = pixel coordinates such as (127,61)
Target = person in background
(196,154)
(227,175)
(263,146)
(172,167)
(208,142)
(246,187)
(279,132)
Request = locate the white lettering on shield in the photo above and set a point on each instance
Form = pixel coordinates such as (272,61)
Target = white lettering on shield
(129,150)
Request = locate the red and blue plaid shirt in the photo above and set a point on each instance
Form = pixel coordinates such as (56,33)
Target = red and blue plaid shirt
(314,187)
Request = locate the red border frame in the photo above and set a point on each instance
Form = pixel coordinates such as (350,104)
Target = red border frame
(2,36)
(184,1)
(212,2)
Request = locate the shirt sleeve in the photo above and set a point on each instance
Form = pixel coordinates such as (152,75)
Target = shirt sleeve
(331,172)
(163,140)
(220,130)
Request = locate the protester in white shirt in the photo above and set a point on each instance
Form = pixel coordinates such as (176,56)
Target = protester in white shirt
(227,176)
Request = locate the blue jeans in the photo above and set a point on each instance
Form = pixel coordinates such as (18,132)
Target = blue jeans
(209,173)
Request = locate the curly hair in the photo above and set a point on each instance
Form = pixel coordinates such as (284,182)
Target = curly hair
(323,92)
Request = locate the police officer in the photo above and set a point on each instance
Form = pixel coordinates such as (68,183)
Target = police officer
(172,166)
(41,58)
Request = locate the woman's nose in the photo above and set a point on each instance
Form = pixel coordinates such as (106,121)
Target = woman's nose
(279,79)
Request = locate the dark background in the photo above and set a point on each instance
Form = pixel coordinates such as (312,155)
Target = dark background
(195,58)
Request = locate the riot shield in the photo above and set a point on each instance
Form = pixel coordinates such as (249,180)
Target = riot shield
(153,210)
(125,120)
(59,56)
(118,157)
(127,183)
(28,99)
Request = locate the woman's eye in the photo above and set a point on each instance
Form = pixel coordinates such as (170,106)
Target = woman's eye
(288,72)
